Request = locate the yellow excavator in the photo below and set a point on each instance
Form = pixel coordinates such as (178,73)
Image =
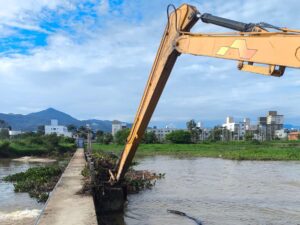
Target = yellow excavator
(257,47)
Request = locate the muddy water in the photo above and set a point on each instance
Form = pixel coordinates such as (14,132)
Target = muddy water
(16,208)
(218,192)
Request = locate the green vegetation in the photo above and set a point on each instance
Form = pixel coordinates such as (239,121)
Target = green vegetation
(179,137)
(194,131)
(149,138)
(135,180)
(36,145)
(103,138)
(38,182)
(121,136)
(4,133)
(239,150)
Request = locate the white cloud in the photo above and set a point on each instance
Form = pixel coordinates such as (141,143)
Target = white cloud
(103,7)
(26,14)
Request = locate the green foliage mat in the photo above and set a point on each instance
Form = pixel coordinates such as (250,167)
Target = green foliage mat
(38,182)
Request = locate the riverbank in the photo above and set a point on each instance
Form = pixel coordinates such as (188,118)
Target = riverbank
(274,150)
(36,145)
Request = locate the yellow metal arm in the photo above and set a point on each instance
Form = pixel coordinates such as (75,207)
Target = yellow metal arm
(271,48)
(252,45)
(185,17)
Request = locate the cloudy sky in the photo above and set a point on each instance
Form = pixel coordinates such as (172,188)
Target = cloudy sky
(91,59)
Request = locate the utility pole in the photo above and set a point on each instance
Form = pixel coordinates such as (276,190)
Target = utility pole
(239,127)
(89,140)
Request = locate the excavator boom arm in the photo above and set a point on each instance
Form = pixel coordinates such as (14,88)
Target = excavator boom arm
(182,19)
(253,44)
(272,49)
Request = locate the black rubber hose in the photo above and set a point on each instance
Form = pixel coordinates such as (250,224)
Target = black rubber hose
(179,213)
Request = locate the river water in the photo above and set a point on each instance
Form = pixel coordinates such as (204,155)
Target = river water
(215,191)
(16,208)
(218,192)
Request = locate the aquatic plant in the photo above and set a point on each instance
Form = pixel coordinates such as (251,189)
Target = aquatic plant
(38,181)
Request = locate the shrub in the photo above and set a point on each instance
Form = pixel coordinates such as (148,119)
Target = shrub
(121,136)
(5,149)
(179,137)
(149,138)
(256,142)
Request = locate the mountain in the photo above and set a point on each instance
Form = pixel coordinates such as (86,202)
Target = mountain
(31,121)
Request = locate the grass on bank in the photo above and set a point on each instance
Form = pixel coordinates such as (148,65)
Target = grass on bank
(36,145)
(273,150)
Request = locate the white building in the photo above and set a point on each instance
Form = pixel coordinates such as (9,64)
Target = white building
(199,125)
(238,128)
(161,133)
(230,124)
(116,126)
(54,128)
(281,134)
(274,118)
(15,132)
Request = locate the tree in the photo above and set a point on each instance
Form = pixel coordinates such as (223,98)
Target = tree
(191,125)
(99,136)
(149,138)
(72,128)
(3,124)
(41,130)
(107,138)
(216,134)
(4,133)
(249,136)
(82,132)
(103,138)
(5,149)
(121,136)
(179,137)
(194,130)
(52,142)
(99,133)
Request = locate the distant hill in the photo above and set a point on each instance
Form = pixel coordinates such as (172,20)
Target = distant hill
(31,121)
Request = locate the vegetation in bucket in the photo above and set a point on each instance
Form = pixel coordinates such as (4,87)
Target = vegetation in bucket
(135,180)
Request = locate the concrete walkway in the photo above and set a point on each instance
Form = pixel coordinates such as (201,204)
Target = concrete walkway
(65,206)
